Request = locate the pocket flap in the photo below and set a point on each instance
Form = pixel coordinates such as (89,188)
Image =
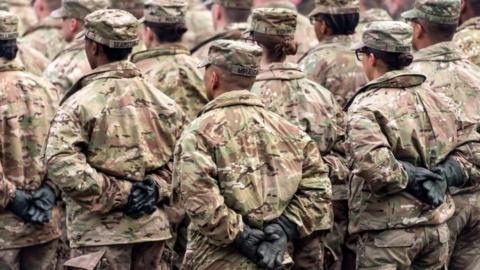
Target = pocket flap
(395,238)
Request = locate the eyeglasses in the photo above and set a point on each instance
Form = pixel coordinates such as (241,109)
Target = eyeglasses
(360,54)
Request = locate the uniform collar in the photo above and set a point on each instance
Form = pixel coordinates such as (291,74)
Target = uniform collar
(443,51)
(392,79)
(10,65)
(162,50)
(280,71)
(232,98)
(473,23)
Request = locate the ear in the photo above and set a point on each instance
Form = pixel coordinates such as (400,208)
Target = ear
(418,31)
(74,25)
(148,35)
(463,6)
(95,49)
(216,12)
(324,28)
(371,59)
(215,80)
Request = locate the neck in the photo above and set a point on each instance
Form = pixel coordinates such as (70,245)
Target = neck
(269,59)
(377,73)
(465,16)
(429,42)
(156,43)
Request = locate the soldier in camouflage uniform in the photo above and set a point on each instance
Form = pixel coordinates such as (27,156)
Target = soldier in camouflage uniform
(71,63)
(110,150)
(167,64)
(46,36)
(468,34)
(229,21)
(245,174)
(24,10)
(434,23)
(28,106)
(331,63)
(285,90)
(400,137)
(199,23)
(304,32)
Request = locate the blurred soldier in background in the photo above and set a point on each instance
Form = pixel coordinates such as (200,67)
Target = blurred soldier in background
(199,23)
(110,151)
(468,35)
(71,63)
(370,11)
(285,90)
(30,220)
(167,64)
(448,72)
(229,21)
(24,10)
(45,36)
(331,63)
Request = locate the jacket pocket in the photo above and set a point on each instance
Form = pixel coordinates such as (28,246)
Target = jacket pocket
(394,238)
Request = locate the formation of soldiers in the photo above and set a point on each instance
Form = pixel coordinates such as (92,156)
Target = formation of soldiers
(239,134)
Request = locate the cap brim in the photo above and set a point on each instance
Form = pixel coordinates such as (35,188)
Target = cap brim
(357,46)
(80,35)
(58,13)
(141,20)
(410,15)
(314,12)
(203,63)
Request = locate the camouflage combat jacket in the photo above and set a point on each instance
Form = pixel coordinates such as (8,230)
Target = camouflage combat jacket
(449,73)
(33,61)
(332,64)
(284,89)
(46,37)
(467,39)
(239,163)
(397,118)
(27,105)
(232,31)
(113,128)
(173,70)
(68,66)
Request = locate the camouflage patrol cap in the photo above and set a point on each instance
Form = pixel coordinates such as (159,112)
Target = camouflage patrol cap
(335,7)
(133,6)
(387,36)
(165,11)
(240,4)
(237,57)
(79,9)
(8,25)
(113,28)
(437,11)
(274,21)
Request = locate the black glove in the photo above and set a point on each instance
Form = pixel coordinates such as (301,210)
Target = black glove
(44,200)
(20,205)
(247,242)
(277,235)
(142,199)
(435,191)
(417,176)
(451,171)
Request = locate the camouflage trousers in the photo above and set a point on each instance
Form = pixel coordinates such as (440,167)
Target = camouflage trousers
(128,257)
(423,248)
(38,257)
(464,246)
(308,252)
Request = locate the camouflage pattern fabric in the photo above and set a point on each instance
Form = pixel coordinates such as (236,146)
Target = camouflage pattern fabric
(467,39)
(415,248)
(450,74)
(68,66)
(333,65)
(273,21)
(387,36)
(45,37)
(113,128)
(371,15)
(33,60)
(239,163)
(232,31)
(285,90)
(335,7)
(38,257)
(437,11)
(29,106)
(395,118)
(120,257)
(173,70)
(79,9)
(24,10)
(199,24)
(305,33)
